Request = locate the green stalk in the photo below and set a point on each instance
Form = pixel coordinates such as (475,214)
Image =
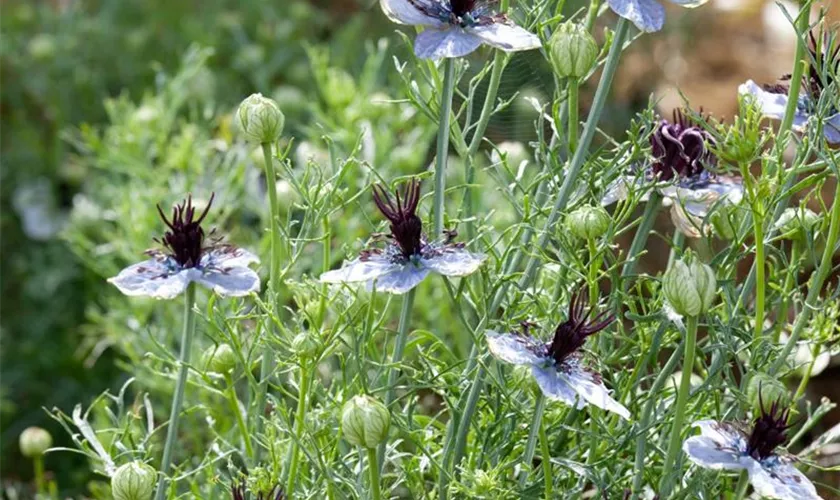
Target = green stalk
(443,144)
(178,398)
(234,406)
(760,291)
(803,384)
(546,462)
(741,487)
(38,462)
(668,471)
(531,444)
(640,239)
(373,469)
(300,415)
(574,120)
(676,245)
(787,290)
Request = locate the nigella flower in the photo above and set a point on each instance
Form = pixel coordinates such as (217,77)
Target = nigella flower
(223,268)
(647,15)
(773,99)
(238,492)
(408,257)
(681,158)
(557,365)
(454,28)
(726,445)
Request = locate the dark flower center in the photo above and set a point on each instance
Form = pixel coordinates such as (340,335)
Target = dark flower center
(406,228)
(824,65)
(462,7)
(238,492)
(769,431)
(571,335)
(185,238)
(679,149)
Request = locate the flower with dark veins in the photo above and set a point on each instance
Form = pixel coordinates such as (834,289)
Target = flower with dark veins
(455,28)
(681,162)
(189,256)
(773,99)
(557,365)
(729,446)
(647,15)
(408,257)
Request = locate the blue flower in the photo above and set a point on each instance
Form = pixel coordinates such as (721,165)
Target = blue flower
(222,268)
(557,365)
(408,257)
(647,15)
(726,446)
(455,28)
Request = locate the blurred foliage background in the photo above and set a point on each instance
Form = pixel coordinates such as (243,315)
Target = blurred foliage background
(111,106)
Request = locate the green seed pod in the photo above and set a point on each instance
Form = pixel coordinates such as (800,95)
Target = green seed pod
(365,421)
(133,481)
(260,119)
(770,390)
(219,359)
(34,441)
(305,344)
(588,222)
(689,286)
(573,51)
(794,222)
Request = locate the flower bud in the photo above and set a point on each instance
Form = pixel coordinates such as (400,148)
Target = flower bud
(260,119)
(764,388)
(339,88)
(365,421)
(588,222)
(305,344)
(794,222)
(133,481)
(689,286)
(573,51)
(219,359)
(34,441)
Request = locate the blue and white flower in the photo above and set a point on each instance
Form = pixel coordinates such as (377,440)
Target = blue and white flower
(455,28)
(728,446)
(222,268)
(557,366)
(647,15)
(408,257)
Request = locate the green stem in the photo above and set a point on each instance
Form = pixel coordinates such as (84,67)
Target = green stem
(796,78)
(300,416)
(531,444)
(574,120)
(682,398)
(38,462)
(803,384)
(546,462)
(787,290)
(743,484)
(676,245)
(642,233)
(373,469)
(178,398)
(325,266)
(443,144)
(240,422)
(758,226)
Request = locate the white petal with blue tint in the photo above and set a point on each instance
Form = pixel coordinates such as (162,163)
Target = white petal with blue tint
(229,256)
(400,280)
(360,270)
(454,262)
(690,4)
(777,478)
(448,42)
(403,12)
(723,433)
(686,223)
(831,129)
(513,349)
(647,15)
(152,278)
(698,202)
(555,387)
(708,453)
(591,388)
(772,104)
(508,37)
(235,281)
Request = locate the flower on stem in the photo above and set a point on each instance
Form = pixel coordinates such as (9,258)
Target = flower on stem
(681,162)
(647,15)
(773,99)
(408,257)
(188,258)
(557,365)
(455,28)
(238,492)
(728,446)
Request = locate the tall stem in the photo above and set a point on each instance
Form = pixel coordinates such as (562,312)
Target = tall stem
(642,233)
(240,422)
(574,120)
(443,143)
(682,398)
(300,416)
(373,470)
(178,398)
(546,462)
(758,226)
(531,444)
(38,463)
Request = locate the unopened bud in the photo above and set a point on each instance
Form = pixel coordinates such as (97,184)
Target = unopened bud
(763,388)
(690,286)
(133,481)
(340,89)
(573,51)
(588,222)
(305,344)
(795,222)
(34,441)
(365,421)
(219,359)
(260,119)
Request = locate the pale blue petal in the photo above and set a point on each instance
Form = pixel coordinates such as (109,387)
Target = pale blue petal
(771,104)
(590,387)
(152,278)
(403,12)
(689,3)
(555,387)
(710,454)
(228,256)
(450,42)
(831,129)
(686,223)
(451,261)
(361,270)
(233,281)
(775,477)
(647,15)
(698,201)
(401,280)
(617,190)
(507,37)
(514,349)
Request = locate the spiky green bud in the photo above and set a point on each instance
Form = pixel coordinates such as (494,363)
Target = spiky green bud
(260,119)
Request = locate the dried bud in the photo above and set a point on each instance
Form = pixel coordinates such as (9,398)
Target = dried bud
(133,481)
(305,344)
(689,286)
(219,359)
(588,222)
(766,388)
(260,119)
(365,421)
(573,51)
(34,441)
(795,222)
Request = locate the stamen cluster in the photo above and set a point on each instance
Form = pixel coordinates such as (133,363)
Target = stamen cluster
(679,148)
(406,227)
(824,55)
(571,335)
(238,492)
(185,238)
(769,431)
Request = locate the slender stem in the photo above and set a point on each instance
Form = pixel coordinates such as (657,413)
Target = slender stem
(743,484)
(592,14)
(240,422)
(682,398)
(325,266)
(38,462)
(803,384)
(548,474)
(799,67)
(642,233)
(594,265)
(373,470)
(758,226)
(574,120)
(443,143)
(676,245)
(396,359)
(787,290)
(300,416)
(178,398)
(531,444)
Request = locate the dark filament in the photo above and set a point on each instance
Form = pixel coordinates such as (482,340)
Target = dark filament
(679,148)
(238,492)
(768,430)
(185,238)
(406,228)
(462,7)
(571,335)
(826,55)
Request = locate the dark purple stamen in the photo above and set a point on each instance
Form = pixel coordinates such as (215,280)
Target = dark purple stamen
(679,148)
(462,7)
(823,54)
(768,430)
(571,335)
(185,239)
(238,492)
(406,228)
